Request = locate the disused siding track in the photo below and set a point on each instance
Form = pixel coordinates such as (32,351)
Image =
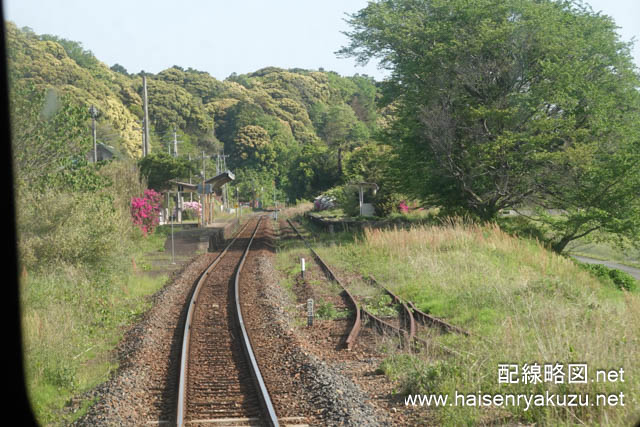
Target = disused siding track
(220,381)
(409,311)
(424,318)
(357,323)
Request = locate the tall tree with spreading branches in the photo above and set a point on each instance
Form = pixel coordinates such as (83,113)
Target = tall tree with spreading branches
(511,103)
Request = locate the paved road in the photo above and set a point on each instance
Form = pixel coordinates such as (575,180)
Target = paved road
(635,272)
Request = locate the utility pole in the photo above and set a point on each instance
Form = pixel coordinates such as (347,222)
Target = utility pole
(173,259)
(175,142)
(202,201)
(190,192)
(93,111)
(144,145)
(221,166)
(145,150)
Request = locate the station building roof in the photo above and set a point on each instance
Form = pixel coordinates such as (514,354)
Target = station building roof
(216,182)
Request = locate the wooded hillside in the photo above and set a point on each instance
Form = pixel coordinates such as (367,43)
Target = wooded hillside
(295,127)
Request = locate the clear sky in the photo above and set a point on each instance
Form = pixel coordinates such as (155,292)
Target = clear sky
(225,36)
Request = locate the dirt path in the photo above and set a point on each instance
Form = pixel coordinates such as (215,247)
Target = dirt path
(635,272)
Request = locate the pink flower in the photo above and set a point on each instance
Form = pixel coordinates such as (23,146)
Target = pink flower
(145,211)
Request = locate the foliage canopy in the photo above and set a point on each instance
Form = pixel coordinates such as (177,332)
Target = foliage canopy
(503,104)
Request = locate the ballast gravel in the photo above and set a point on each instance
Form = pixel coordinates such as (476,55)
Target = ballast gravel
(143,389)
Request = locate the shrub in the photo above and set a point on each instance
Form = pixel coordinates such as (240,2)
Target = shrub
(382,306)
(74,228)
(191,210)
(326,310)
(145,211)
(387,202)
(345,198)
(619,278)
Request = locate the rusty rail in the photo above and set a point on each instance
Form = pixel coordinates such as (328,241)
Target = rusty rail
(424,317)
(408,315)
(409,310)
(357,324)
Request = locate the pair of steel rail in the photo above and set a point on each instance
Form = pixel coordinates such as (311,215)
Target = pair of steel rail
(270,418)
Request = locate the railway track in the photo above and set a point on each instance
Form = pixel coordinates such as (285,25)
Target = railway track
(357,323)
(410,315)
(220,381)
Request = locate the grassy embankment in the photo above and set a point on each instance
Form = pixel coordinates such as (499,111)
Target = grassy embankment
(83,281)
(73,318)
(75,314)
(523,305)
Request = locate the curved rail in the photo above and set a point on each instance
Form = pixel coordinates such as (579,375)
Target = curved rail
(361,312)
(405,309)
(424,317)
(357,324)
(262,391)
(409,309)
(257,376)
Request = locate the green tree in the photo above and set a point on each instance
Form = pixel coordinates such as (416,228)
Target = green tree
(82,56)
(48,132)
(173,106)
(160,168)
(313,170)
(253,147)
(368,163)
(363,101)
(119,69)
(341,130)
(506,103)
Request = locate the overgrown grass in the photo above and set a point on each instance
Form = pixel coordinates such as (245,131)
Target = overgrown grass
(415,217)
(523,305)
(73,317)
(326,310)
(79,288)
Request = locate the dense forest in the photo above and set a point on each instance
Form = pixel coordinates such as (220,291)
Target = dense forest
(296,127)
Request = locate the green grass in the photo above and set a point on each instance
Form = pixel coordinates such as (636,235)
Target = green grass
(326,310)
(416,217)
(522,304)
(73,317)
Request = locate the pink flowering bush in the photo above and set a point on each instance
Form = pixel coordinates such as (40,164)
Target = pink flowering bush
(145,211)
(403,207)
(193,207)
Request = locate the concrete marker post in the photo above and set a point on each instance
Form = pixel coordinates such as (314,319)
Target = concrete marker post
(310,312)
